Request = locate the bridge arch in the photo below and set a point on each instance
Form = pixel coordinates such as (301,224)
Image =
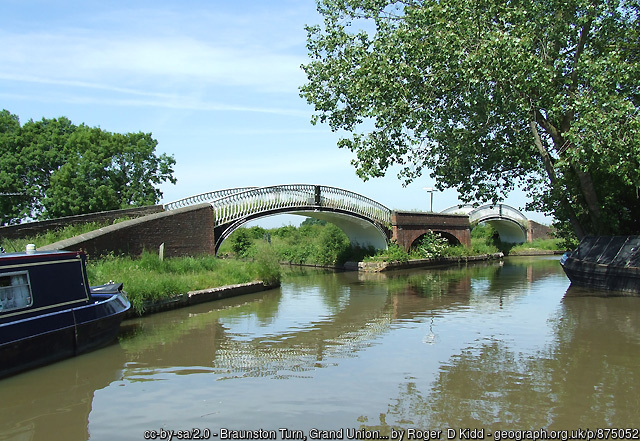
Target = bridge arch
(451,239)
(510,223)
(364,221)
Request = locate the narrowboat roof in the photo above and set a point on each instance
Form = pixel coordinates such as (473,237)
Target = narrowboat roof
(37,255)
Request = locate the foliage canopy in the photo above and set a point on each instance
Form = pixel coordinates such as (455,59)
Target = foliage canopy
(53,168)
(489,95)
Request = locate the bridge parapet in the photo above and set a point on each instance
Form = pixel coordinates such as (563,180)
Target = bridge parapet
(240,203)
(511,224)
(204,197)
(236,206)
(486,211)
(498,211)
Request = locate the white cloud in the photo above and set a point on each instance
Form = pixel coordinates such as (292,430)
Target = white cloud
(128,60)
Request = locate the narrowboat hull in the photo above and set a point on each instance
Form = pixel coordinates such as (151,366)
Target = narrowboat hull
(44,339)
(605,263)
(49,312)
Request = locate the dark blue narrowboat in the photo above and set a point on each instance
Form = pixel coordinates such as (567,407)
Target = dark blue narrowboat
(49,312)
(610,263)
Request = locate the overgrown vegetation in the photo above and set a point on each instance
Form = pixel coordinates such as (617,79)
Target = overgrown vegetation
(484,240)
(148,278)
(313,243)
(14,245)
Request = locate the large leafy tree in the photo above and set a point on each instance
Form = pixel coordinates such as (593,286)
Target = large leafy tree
(12,187)
(52,168)
(487,95)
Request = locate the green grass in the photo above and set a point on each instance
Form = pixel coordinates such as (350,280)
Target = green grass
(53,236)
(539,244)
(149,279)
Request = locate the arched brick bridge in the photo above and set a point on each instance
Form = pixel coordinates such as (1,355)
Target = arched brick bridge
(199,224)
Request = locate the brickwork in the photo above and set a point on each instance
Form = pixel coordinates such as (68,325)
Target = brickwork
(185,232)
(409,226)
(30,229)
(538,231)
(189,231)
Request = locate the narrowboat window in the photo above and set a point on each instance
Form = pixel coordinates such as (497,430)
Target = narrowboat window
(15,292)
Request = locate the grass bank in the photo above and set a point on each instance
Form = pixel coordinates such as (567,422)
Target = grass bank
(149,279)
(484,240)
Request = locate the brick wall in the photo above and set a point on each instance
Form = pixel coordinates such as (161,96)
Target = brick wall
(538,231)
(29,229)
(185,232)
(407,226)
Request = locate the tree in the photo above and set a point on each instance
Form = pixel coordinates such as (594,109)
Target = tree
(62,169)
(106,171)
(241,242)
(489,95)
(13,202)
(313,221)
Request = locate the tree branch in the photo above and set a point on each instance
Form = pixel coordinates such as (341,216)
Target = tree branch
(547,160)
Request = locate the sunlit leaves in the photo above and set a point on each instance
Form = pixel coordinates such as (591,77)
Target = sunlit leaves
(63,169)
(452,87)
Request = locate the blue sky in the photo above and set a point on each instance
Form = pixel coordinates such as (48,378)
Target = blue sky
(215,82)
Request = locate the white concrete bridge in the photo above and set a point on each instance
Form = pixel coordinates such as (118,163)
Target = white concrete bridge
(509,222)
(364,221)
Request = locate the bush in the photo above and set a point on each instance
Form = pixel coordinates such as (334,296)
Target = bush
(331,246)
(394,253)
(431,246)
(266,264)
(241,242)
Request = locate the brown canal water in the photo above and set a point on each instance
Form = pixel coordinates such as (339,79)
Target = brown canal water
(499,346)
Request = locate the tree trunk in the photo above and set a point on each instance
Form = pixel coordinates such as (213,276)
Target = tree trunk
(548,165)
(591,198)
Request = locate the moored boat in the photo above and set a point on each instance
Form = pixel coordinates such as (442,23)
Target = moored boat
(605,263)
(49,312)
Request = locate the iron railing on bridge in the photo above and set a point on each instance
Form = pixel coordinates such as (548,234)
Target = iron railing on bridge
(489,211)
(240,203)
(501,211)
(204,197)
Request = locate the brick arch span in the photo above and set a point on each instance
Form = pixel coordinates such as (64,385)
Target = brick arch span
(408,226)
(453,240)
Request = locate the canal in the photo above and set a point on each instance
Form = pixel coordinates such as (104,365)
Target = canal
(427,354)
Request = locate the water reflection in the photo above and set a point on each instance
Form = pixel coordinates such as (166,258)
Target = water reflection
(586,376)
(54,402)
(308,322)
(494,345)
